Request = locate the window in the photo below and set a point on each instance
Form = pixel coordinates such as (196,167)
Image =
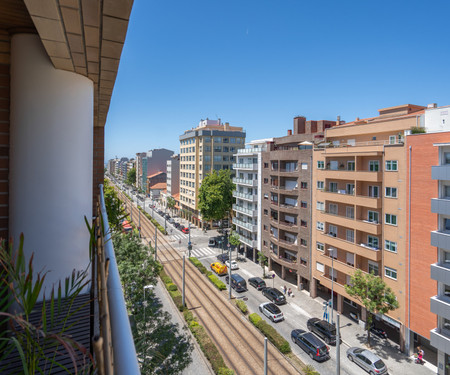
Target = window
(266,165)
(320,267)
(350,235)
(302,242)
(320,206)
(350,189)
(373,267)
(391,165)
(303,223)
(390,272)
(374,165)
(372,241)
(320,165)
(266,196)
(266,212)
(217,139)
(372,217)
(232,140)
(332,230)
(333,187)
(333,209)
(304,166)
(303,262)
(374,191)
(350,165)
(207,148)
(320,185)
(266,180)
(390,246)
(390,219)
(304,185)
(320,246)
(350,212)
(303,204)
(390,192)
(265,227)
(217,158)
(319,225)
(447,224)
(225,149)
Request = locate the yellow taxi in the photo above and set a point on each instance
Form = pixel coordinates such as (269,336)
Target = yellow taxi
(219,268)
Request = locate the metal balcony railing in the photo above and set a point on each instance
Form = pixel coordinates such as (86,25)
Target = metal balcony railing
(251,150)
(118,351)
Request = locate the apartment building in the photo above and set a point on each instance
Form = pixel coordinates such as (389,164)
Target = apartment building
(286,200)
(139,168)
(360,213)
(248,181)
(173,175)
(152,162)
(210,146)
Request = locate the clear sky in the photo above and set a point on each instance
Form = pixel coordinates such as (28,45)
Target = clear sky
(259,63)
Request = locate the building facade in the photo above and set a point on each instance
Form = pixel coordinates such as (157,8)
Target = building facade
(173,175)
(210,146)
(360,213)
(286,200)
(248,181)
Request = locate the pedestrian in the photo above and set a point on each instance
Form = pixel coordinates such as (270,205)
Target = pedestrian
(289,293)
(284,289)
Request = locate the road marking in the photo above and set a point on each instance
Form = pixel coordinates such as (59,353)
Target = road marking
(246,273)
(300,310)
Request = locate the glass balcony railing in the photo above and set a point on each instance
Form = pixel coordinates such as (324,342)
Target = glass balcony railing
(252,150)
(243,181)
(247,211)
(249,197)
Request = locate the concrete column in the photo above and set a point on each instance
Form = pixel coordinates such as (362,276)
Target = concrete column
(283,272)
(255,252)
(340,303)
(313,288)
(363,314)
(51,160)
(299,281)
(441,362)
(270,263)
(402,338)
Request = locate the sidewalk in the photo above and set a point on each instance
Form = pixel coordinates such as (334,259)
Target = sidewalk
(352,333)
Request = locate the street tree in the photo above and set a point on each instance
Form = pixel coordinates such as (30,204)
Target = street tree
(262,260)
(131,177)
(114,207)
(234,239)
(171,204)
(374,295)
(215,196)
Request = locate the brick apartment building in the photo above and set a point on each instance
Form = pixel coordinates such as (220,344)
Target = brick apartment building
(286,200)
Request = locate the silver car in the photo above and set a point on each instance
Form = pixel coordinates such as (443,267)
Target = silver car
(272,311)
(367,360)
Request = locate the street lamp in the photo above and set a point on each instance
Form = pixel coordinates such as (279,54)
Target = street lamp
(165,219)
(145,322)
(189,239)
(331,253)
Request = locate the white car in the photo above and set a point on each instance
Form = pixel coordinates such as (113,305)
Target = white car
(233,265)
(272,311)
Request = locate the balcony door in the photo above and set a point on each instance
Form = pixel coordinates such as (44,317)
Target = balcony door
(374,191)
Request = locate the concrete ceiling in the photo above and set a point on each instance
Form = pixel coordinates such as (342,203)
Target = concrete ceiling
(82,36)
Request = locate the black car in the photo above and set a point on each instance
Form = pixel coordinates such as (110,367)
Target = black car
(323,329)
(222,257)
(257,282)
(312,345)
(212,242)
(274,295)
(177,225)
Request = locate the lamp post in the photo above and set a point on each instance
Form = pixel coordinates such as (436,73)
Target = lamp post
(229,270)
(145,322)
(189,238)
(331,253)
(156,244)
(183,296)
(165,219)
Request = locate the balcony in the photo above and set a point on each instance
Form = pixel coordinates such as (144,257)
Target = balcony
(440,305)
(440,272)
(325,280)
(343,174)
(337,264)
(440,239)
(283,189)
(350,199)
(440,340)
(440,206)
(243,181)
(285,225)
(364,251)
(288,244)
(360,225)
(440,172)
(248,241)
(248,197)
(245,211)
(291,263)
(253,150)
(249,226)
(246,166)
(288,208)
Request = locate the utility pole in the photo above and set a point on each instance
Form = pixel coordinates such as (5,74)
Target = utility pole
(189,238)
(265,355)
(165,219)
(183,299)
(229,269)
(156,244)
(338,345)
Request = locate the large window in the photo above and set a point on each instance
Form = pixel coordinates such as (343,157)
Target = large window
(320,165)
(333,187)
(320,246)
(320,185)
(350,235)
(372,242)
(320,206)
(390,246)
(319,225)
(374,165)
(390,219)
(390,192)
(332,230)
(372,216)
(390,272)
(350,165)
(373,268)
(391,165)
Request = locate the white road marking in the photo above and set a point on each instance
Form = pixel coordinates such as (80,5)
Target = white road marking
(246,273)
(300,310)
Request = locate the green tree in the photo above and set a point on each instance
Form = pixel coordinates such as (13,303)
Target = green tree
(374,295)
(215,196)
(171,204)
(262,260)
(161,346)
(114,208)
(234,239)
(131,177)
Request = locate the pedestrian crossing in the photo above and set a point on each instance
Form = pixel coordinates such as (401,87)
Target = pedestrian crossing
(203,252)
(181,236)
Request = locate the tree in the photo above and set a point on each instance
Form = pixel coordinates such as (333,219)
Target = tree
(215,196)
(374,295)
(131,177)
(114,208)
(234,239)
(262,260)
(162,348)
(171,203)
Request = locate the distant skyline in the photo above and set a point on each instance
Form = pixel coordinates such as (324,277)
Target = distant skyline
(259,63)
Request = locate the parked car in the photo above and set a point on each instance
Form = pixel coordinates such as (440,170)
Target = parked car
(177,225)
(272,311)
(311,344)
(367,360)
(380,332)
(171,221)
(323,329)
(222,257)
(219,268)
(237,282)
(212,242)
(167,216)
(274,295)
(257,282)
(232,264)
(185,230)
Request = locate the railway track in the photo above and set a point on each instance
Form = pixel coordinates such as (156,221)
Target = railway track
(240,344)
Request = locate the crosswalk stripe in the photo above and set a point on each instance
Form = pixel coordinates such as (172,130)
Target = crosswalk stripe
(201,251)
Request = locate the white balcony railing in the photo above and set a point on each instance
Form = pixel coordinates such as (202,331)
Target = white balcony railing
(249,197)
(252,150)
(246,211)
(249,226)
(249,166)
(243,181)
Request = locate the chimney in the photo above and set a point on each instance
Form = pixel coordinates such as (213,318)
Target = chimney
(432,105)
(357,119)
(338,121)
(289,132)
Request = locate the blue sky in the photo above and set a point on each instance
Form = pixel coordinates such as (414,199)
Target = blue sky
(259,63)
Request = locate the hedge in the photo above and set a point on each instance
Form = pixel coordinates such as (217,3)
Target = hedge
(225,371)
(271,333)
(242,306)
(218,283)
(154,222)
(199,265)
(172,287)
